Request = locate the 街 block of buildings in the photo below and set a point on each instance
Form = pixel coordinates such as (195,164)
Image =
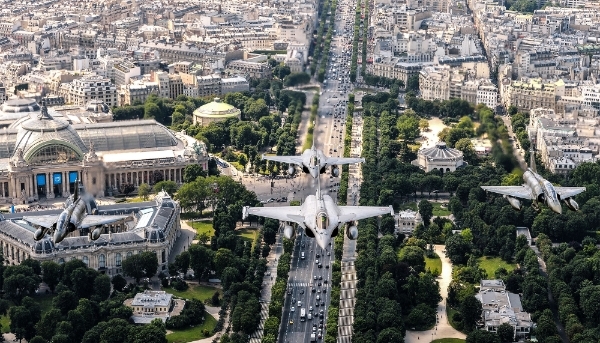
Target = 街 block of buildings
(545,63)
(65,64)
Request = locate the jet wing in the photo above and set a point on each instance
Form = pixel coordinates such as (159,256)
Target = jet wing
(522,192)
(343,160)
(567,192)
(283,213)
(44,221)
(349,213)
(285,159)
(95,220)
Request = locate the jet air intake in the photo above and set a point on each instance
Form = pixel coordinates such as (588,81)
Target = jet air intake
(335,171)
(352,232)
(515,203)
(288,231)
(571,204)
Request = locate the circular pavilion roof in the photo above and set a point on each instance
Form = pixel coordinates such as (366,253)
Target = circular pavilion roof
(14,109)
(440,152)
(40,131)
(217,109)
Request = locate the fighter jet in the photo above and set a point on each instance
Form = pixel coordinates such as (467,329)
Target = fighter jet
(313,162)
(80,213)
(319,216)
(539,190)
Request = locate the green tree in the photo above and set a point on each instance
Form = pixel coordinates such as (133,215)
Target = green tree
(470,310)
(152,111)
(481,336)
(412,83)
(506,333)
(414,256)
(201,260)
(408,126)
(457,249)
(182,261)
(51,274)
(466,147)
(589,300)
(23,318)
(144,191)
(426,211)
(101,287)
(118,282)
(140,265)
(47,325)
(223,258)
(19,281)
(168,186)
(192,172)
(155,332)
(65,301)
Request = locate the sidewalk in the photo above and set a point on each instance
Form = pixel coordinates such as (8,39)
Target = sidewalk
(268,282)
(185,239)
(443,329)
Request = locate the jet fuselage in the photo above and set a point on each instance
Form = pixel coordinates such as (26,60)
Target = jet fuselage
(542,190)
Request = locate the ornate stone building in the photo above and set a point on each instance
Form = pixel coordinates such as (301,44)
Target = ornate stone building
(440,157)
(42,154)
(151,226)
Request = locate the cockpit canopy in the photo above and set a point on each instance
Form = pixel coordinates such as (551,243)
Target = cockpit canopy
(322,221)
(315,161)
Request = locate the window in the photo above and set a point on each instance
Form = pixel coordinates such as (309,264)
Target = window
(118,259)
(129,254)
(54,154)
(101,261)
(86,260)
(61,260)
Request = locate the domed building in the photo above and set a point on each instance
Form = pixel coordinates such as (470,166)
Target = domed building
(440,157)
(44,152)
(215,111)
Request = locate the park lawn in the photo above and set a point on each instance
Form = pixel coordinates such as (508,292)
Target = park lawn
(448,340)
(439,211)
(5,322)
(45,302)
(409,206)
(247,234)
(137,199)
(193,333)
(450,313)
(433,264)
(490,264)
(201,227)
(414,146)
(199,292)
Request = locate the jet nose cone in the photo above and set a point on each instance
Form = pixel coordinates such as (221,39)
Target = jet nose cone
(322,241)
(57,237)
(313,173)
(556,207)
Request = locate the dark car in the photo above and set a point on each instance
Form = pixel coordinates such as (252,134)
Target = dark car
(314,290)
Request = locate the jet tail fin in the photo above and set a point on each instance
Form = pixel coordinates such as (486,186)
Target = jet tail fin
(532,160)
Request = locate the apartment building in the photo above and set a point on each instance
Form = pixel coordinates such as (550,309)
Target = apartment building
(528,94)
(92,87)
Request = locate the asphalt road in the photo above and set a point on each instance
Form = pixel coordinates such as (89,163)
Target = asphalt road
(329,137)
(301,282)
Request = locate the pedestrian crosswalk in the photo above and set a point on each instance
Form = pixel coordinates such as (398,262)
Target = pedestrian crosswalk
(299,284)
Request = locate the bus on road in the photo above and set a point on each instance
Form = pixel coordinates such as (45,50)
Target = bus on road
(302,314)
